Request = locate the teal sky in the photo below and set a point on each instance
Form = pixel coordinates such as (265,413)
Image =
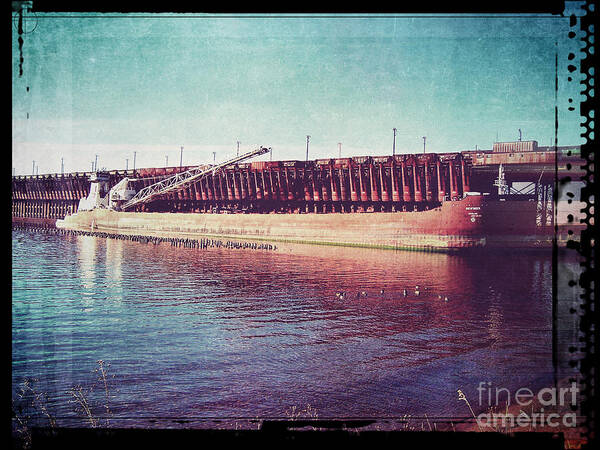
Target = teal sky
(114,84)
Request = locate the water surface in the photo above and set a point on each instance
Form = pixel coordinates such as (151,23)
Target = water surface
(221,333)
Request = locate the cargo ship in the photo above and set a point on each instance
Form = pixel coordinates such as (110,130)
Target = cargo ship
(434,202)
(362,202)
(449,227)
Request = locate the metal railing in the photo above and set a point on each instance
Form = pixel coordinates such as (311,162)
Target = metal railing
(182,179)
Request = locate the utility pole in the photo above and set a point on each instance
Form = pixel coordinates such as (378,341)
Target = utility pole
(394,145)
(238,148)
(307,139)
(424,139)
(181,157)
(133,160)
(340,149)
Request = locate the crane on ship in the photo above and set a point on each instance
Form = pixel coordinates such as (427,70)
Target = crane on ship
(180,180)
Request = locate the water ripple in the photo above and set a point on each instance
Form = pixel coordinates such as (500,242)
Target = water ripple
(219,332)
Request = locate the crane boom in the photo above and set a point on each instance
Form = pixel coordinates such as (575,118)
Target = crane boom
(182,179)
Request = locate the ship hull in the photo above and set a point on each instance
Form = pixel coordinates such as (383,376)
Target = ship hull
(513,224)
(453,226)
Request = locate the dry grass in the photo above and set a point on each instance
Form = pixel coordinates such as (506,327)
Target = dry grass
(30,407)
(308,412)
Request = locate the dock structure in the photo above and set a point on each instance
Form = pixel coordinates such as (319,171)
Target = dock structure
(402,182)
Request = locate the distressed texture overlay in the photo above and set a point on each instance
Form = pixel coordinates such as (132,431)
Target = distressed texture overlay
(123,89)
(586,360)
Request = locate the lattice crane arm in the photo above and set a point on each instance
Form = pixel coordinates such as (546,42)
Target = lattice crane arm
(182,179)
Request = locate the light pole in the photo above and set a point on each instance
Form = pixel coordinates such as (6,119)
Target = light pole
(424,139)
(339,149)
(134,160)
(62,166)
(126,163)
(96,163)
(238,148)
(181,157)
(214,158)
(166,160)
(394,145)
(307,139)
(33,168)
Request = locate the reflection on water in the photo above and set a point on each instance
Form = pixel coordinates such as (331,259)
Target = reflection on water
(114,272)
(242,333)
(88,249)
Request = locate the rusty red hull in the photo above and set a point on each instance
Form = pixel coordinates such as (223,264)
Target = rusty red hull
(520,224)
(452,226)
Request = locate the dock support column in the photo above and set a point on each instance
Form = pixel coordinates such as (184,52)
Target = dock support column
(453,187)
(266,187)
(343,193)
(440,185)
(353,193)
(203,189)
(308,187)
(272,187)
(417,183)
(385,195)
(395,184)
(230,195)
(206,189)
(373,180)
(251,191)
(291,194)
(428,193)
(236,190)
(324,188)
(281,190)
(243,184)
(215,186)
(406,196)
(465,177)
(315,182)
(334,193)
(257,188)
(364,197)
(544,211)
